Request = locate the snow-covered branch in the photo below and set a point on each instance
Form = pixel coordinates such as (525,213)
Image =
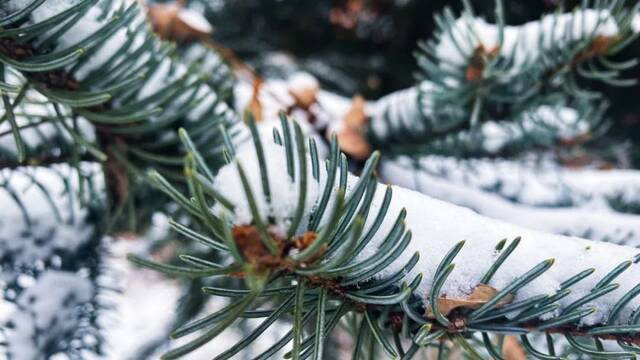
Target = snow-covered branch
(43,216)
(592,220)
(437,227)
(535,181)
(52,317)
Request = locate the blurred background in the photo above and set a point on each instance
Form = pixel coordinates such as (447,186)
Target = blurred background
(350,48)
(367,46)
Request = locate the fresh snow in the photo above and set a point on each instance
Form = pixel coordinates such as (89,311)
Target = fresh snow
(145,309)
(537,181)
(589,220)
(45,11)
(523,41)
(302,81)
(38,138)
(54,222)
(437,226)
(564,122)
(45,312)
(411,109)
(398,110)
(196,20)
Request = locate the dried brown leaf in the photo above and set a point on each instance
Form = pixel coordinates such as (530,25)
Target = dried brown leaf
(172,21)
(480,296)
(352,134)
(255,106)
(512,349)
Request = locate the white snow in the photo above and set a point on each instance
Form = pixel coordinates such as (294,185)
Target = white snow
(144,311)
(31,111)
(46,311)
(400,109)
(409,110)
(537,181)
(589,220)
(565,123)
(437,226)
(45,11)
(156,81)
(458,44)
(104,53)
(635,23)
(302,81)
(195,20)
(45,235)
(145,306)
(285,191)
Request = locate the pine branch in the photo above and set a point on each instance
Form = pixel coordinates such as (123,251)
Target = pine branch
(363,258)
(106,66)
(476,72)
(51,256)
(549,124)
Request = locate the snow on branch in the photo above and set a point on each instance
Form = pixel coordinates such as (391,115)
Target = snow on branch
(537,182)
(522,44)
(107,67)
(589,221)
(51,318)
(412,119)
(436,227)
(43,216)
(485,85)
(330,234)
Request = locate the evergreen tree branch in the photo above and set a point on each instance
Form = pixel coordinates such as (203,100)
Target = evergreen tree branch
(526,290)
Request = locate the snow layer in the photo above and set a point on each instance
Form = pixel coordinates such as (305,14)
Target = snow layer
(45,313)
(45,11)
(274,96)
(396,111)
(563,122)
(413,111)
(589,221)
(283,189)
(51,222)
(46,137)
(534,181)
(140,319)
(524,41)
(437,226)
